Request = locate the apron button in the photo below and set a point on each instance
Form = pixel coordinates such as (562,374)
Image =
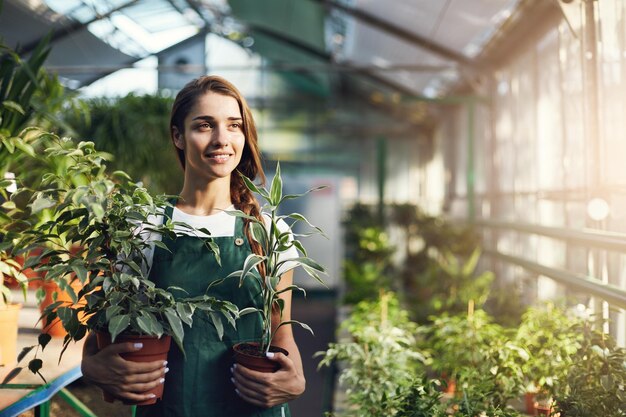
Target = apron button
(239,241)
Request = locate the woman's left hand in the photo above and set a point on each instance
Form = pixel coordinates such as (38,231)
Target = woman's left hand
(269,389)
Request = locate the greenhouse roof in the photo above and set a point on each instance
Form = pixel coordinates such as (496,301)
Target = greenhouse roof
(420,48)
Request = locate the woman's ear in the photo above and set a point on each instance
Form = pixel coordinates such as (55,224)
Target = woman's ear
(178,138)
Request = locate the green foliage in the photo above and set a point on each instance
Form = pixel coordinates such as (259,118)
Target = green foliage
(273,243)
(368,255)
(106,216)
(550,334)
(379,357)
(368,271)
(136,130)
(505,305)
(421,399)
(20,81)
(479,355)
(438,273)
(596,384)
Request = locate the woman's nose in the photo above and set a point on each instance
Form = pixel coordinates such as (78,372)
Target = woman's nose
(220,135)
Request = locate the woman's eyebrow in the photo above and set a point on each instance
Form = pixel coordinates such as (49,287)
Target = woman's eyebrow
(211,118)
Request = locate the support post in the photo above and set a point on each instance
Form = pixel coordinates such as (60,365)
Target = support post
(471,171)
(381,159)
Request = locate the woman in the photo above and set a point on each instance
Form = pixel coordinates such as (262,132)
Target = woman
(214,135)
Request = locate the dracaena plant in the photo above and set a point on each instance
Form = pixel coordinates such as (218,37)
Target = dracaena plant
(95,231)
(274,243)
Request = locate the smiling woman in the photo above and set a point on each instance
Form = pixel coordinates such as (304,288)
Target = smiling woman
(215,137)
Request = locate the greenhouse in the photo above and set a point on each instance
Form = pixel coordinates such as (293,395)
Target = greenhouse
(401,208)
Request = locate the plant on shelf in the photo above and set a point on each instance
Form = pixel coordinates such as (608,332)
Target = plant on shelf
(380,364)
(549,333)
(108,217)
(596,384)
(266,268)
(368,255)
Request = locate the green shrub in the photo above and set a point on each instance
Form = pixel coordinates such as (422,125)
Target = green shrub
(379,358)
(596,384)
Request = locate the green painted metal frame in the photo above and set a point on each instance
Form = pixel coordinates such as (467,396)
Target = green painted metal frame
(592,238)
(593,286)
(75,403)
(595,238)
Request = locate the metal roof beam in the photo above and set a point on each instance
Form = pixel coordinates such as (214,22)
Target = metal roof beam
(403,34)
(63,32)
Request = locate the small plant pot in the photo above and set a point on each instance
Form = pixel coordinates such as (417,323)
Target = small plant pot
(249,355)
(529,403)
(543,409)
(55,329)
(8,329)
(153,349)
(450,387)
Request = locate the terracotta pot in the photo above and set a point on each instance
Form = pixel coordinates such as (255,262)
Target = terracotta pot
(450,388)
(249,355)
(55,329)
(153,350)
(529,403)
(542,409)
(8,330)
(34,278)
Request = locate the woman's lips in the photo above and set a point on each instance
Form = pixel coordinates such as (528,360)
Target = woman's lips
(219,157)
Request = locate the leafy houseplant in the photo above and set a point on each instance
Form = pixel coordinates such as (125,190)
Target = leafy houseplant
(273,242)
(479,355)
(551,336)
(380,362)
(20,80)
(107,216)
(596,384)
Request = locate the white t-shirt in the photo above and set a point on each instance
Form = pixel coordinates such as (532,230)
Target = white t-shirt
(220,224)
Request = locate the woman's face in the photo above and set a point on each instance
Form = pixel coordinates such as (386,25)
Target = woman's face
(213,140)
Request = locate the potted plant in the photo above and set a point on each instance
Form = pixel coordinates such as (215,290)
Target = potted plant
(596,385)
(381,366)
(108,217)
(273,243)
(474,351)
(9,310)
(548,332)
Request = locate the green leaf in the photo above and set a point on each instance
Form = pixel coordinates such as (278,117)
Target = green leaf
(117,325)
(81,272)
(97,210)
(14,372)
(259,233)
(144,324)
(276,190)
(35,365)
(251,262)
(44,339)
(300,217)
(175,324)
(24,352)
(41,203)
(185,312)
(112,312)
(217,322)
(13,106)
(252,187)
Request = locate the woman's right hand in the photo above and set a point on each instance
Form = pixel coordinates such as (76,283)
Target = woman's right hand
(124,379)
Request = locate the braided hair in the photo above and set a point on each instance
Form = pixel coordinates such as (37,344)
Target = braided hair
(250,164)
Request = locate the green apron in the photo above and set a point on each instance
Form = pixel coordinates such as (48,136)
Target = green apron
(199,385)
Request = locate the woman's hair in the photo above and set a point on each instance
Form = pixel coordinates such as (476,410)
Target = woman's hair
(250,164)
